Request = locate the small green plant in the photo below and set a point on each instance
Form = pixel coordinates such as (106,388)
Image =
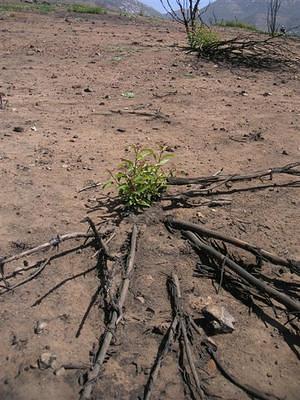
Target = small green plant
(128,95)
(141,181)
(237,24)
(202,37)
(86,9)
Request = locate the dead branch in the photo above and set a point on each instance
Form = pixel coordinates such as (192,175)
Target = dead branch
(29,278)
(179,323)
(257,394)
(98,237)
(292,305)
(251,51)
(160,96)
(293,265)
(92,186)
(42,265)
(218,202)
(20,271)
(52,243)
(115,319)
(183,197)
(190,358)
(157,114)
(161,354)
(289,169)
(178,310)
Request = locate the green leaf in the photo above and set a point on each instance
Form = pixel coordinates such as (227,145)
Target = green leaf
(143,154)
(163,162)
(107,184)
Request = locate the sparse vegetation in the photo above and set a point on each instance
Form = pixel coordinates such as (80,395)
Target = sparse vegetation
(128,95)
(142,180)
(238,24)
(202,37)
(86,9)
(19,7)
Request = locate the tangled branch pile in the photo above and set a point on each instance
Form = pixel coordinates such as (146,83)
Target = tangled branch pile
(250,50)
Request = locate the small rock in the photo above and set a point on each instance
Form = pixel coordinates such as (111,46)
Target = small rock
(285,153)
(122,130)
(220,320)
(18,129)
(60,371)
(40,327)
(161,328)
(244,93)
(88,90)
(47,360)
(197,303)
(33,128)
(141,299)
(266,94)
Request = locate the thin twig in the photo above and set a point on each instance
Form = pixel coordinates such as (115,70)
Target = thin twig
(52,243)
(93,185)
(161,354)
(20,271)
(29,278)
(100,242)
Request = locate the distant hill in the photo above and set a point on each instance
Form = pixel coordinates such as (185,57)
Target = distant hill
(254,12)
(126,6)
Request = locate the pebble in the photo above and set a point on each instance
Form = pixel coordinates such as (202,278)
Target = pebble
(40,326)
(46,360)
(60,371)
(18,129)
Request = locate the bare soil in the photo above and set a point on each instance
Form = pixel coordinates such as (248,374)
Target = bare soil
(60,78)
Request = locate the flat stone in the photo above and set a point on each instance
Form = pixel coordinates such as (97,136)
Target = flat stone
(220,320)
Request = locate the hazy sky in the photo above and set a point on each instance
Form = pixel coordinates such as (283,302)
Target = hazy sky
(157,4)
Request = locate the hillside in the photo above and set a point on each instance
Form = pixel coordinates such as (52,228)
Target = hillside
(254,12)
(129,6)
(125,6)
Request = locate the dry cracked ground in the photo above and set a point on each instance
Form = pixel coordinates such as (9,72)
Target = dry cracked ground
(63,82)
